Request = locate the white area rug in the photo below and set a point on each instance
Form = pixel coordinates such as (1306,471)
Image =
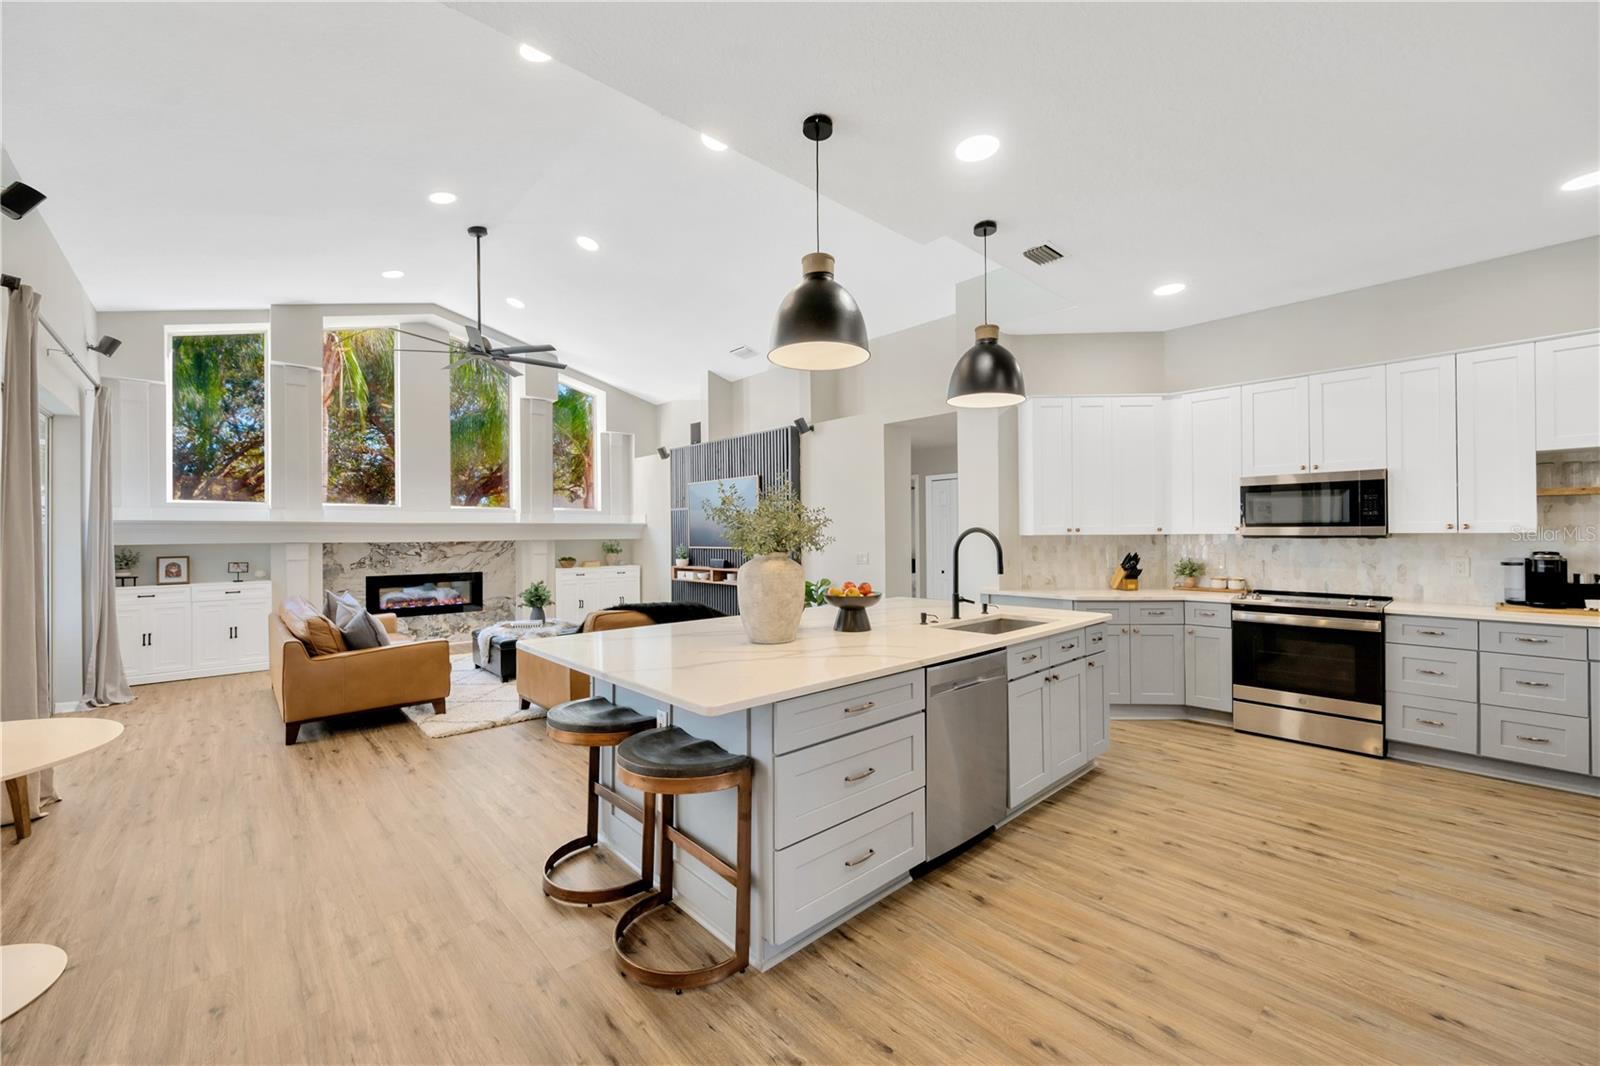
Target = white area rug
(478,700)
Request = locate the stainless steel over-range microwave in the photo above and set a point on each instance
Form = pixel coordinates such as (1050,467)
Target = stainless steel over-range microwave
(1346,503)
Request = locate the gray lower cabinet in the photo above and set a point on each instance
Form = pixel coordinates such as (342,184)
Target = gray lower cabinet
(1057,722)
(1155,664)
(1208,668)
(1431,722)
(1066,703)
(1556,741)
(1028,724)
(1447,673)
(1594,705)
(1116,668)
(1554,686)
(1096,720)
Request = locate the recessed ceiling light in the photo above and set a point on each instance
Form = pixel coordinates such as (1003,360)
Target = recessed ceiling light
(1171,288)
(532,54)
(514,302)
(712,143)
(977,148)
(392,274)
(1582,181)
(588,244)
(441,197)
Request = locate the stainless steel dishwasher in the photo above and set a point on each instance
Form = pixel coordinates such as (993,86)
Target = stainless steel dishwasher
(968,750)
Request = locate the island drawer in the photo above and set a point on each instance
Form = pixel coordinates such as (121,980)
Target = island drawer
(832,782)
(1024,659)
(1555,686)
(1557,741)
(1431,632)
(1449,673)
(840,867)
(1208,614)
(1119,612)
(1169,613)
(1431,722)
(807,720)
(1065,647)
(1560,642)
(1094,638)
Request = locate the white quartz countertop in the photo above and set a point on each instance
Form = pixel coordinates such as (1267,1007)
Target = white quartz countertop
(709,668)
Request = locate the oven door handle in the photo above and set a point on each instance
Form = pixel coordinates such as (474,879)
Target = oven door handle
(1308,621)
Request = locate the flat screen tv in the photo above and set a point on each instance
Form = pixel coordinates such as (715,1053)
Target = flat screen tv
(703,532)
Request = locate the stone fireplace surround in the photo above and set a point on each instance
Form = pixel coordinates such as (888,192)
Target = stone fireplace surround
(346,567)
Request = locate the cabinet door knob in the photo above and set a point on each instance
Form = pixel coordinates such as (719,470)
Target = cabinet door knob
(1191,630)
(1466,525)
(1314,466)
(1449,525)
(1302,466)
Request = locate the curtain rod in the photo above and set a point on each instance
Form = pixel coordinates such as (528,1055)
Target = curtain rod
(11,281)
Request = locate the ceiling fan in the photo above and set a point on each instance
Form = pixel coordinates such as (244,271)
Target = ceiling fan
(478,346)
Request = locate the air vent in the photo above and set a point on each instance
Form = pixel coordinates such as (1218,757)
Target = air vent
(1040,254)
(744,351)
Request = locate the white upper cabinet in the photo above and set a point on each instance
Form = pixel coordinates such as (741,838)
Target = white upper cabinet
(1567,377)
(1138,464)
(1347,419)
(1495,440)
(1044,428)
(1422,445)
(1274,438)
(1204,435)
(1092,499)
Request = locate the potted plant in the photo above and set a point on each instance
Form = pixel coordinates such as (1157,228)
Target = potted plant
(772,586)
(1188,571)
(534,599)
(126,559)
(817,592)
(682,555)
(567,562)
(612,550)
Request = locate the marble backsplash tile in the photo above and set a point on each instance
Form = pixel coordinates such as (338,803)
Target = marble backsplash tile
(1405,566)
(347,566)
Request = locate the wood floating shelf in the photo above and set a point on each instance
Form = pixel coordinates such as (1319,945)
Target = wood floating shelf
(719,575)
(1572,490)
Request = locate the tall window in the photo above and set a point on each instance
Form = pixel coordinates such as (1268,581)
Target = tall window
(219,423)
(358,416)
(575,422)
(480,432)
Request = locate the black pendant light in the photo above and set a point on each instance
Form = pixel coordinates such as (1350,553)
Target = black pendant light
(987,375)
(819,324)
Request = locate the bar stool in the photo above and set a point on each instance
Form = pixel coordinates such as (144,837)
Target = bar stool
(670,763)
(596,723)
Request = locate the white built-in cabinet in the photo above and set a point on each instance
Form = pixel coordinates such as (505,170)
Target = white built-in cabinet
(1347,419)
(1138,465)
(1092,464)
(583,589)
(1567,377)
(1495,449)
(1273,428)
(1421,432)
(177,631)
(1203,428)
(1044,465)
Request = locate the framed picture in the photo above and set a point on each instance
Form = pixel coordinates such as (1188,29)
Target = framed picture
(172,569)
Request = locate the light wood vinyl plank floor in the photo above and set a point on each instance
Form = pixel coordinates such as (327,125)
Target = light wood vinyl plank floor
(372,896)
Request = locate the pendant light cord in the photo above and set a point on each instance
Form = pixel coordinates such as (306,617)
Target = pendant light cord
(986,279)
(816,184)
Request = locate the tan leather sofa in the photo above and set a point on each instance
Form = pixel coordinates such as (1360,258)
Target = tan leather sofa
(542,682)
(314,676)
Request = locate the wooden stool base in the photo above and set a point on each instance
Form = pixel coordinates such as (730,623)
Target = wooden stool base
(588,896)
(597,791)
(674,979)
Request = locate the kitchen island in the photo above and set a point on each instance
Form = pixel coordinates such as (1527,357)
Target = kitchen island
(844,739)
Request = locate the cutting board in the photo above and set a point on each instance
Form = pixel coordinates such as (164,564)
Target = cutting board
(1579,612)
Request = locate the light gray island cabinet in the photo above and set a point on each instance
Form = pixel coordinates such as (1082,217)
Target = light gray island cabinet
(837,725)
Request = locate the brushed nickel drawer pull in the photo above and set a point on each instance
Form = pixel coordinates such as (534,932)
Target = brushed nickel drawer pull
(1207,614)
(1532,640)
(1430,673)
(862,776)
(1097,638)
(1429,721)
(858,708)
(1430,632)
(1533,684)
(1030,657)
(1534,740)
(858,861)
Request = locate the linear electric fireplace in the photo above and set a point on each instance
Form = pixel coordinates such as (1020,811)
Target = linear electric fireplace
(413,594)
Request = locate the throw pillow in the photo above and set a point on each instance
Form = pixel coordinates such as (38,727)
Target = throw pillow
(316,631)
(359,629)
(331,601)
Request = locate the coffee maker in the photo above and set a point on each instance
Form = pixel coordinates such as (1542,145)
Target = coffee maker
(1545,583)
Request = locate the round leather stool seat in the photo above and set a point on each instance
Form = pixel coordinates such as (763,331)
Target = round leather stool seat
(596,715)
(671,752)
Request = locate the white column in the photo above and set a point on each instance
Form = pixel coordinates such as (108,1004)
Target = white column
(422,423)
(295,481)
(616,473)
(535,440)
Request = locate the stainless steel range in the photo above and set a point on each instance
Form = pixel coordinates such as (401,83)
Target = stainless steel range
(1308,666)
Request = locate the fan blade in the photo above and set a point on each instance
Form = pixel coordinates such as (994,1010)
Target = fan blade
(522,349)
(419,336)
(548,363)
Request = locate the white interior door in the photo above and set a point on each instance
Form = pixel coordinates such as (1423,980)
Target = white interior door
(940,513)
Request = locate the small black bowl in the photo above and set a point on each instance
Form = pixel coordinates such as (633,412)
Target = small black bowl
(852,612)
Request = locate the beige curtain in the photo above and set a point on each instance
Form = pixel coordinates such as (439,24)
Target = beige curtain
(24,652)
(103,679)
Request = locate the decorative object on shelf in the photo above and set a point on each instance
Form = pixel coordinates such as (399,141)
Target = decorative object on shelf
(1236,583)
(567,562)
(613,551)
(1126,579)
(987,374)
(172,569)
(1188,571)
(682,555)
(238,570)
(819,324)
(720,563)
(772,586)
(817,592)
(592,562)
(126,559)
(532,601)
(1219,583)
(852,601)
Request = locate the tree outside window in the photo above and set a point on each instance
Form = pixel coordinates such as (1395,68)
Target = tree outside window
(575,425)
(219,425)
(358,415)
(480,432)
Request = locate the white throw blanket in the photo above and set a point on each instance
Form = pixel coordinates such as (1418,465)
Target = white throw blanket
(518,630)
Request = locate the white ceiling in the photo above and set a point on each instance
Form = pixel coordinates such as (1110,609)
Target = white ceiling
(232,155)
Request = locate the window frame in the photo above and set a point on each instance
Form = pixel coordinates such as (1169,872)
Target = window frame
(597,398)
(399,485)
(264,329)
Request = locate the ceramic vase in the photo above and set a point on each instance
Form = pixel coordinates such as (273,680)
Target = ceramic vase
(772,597)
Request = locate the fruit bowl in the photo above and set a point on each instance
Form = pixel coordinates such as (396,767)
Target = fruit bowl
(852,611)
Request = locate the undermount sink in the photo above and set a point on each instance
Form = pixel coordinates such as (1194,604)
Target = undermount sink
(993,625)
